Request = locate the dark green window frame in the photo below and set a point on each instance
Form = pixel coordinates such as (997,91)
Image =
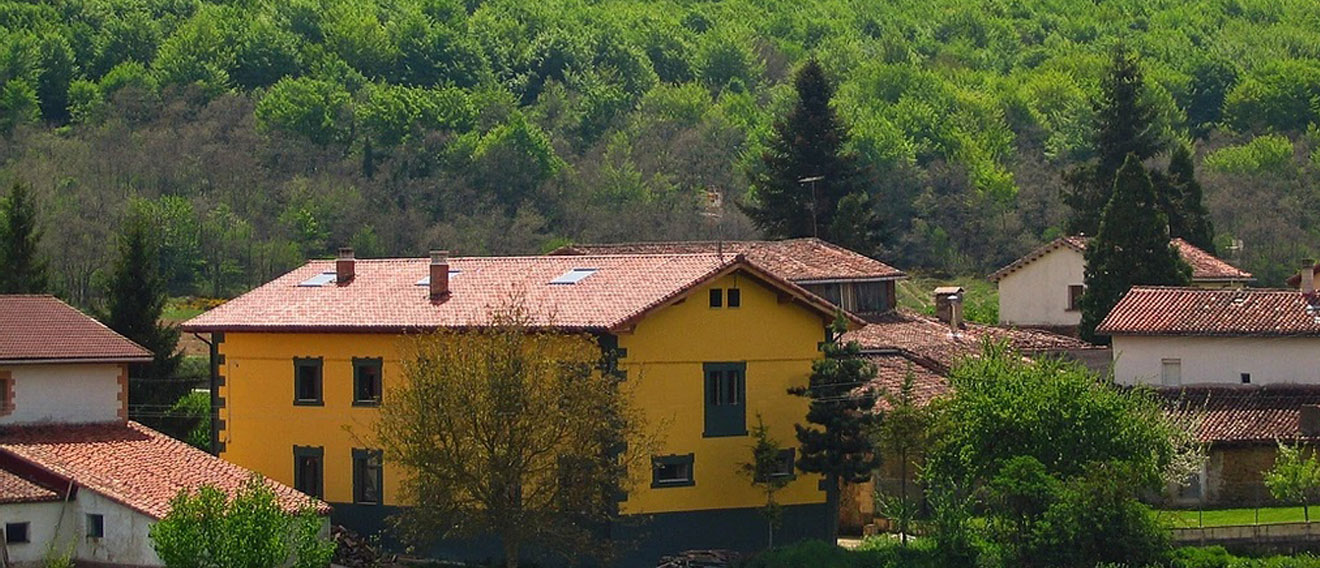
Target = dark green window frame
(368,491)
(18,533)
(95,525)
(733,297)
(303,456)
(786,467)
(663,464)
(363,367)
(716,297)
(724,387)
(308,369)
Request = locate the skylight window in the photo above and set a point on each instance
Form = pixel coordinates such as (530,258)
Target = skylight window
(319,280)
(426,280)
(574,276)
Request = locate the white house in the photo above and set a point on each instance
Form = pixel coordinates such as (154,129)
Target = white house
(1188,336)
(1043,288)
(77,478)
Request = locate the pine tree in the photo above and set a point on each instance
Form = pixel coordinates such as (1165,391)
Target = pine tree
(840,447)
(135,300)
(1124,125)
(1188,217)
(808,143)
(1131,248)
(25,270)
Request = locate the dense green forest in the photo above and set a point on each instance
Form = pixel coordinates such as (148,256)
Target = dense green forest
(255,133)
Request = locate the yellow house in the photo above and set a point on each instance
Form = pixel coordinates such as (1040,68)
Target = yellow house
(712,341)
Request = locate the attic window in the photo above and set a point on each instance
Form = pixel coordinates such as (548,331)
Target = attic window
(426,280)
(319,280)
(574,276)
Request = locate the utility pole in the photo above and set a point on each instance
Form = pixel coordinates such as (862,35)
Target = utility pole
(815,231)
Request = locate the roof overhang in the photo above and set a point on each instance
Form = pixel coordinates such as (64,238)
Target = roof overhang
(858,280)
(76,360)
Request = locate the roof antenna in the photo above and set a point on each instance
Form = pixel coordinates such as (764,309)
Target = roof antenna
(714,209)
(812,180)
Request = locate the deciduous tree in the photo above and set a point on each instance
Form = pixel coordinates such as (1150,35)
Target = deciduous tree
(510,431)
(1132,248)
(1295,477)
(766,473)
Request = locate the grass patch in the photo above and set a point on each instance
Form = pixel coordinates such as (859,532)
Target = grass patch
(980,302)
(1233,517)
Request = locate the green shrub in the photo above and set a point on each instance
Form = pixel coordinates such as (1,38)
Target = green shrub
(1272,154)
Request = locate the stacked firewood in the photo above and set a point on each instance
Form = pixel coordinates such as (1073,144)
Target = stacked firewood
(354,551)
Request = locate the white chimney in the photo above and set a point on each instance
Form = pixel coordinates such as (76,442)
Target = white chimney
(439,275)
(345,266)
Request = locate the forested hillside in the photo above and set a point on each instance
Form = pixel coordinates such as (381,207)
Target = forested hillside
(254,134)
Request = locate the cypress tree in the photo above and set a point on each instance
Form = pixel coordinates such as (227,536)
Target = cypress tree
(1188,217)
(1124,126)
(25,270)
(808,143)
(135,301)
(836,442)
(1131,248)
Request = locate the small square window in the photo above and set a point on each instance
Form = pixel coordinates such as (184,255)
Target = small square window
(672,471)
(1246,378)
(734,297)
(368,481)
(716,298)
(366,381)
(307,381)
(16,533)
(95,525)
(784,465)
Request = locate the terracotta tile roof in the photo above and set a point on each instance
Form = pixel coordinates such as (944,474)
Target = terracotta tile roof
(385,295)
(41,327)
(1205,266)
(1156,310)
(1241,413)
(131,464)
(891,371)
(929,338)
(15,489)
(799,260)
(1208,267)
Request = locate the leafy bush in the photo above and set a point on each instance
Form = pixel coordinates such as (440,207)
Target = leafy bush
(1271,154)
(876,552)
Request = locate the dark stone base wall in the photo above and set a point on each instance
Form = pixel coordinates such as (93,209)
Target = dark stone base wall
(642,539)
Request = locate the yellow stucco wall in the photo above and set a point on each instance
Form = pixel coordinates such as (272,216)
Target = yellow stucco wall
(665,352)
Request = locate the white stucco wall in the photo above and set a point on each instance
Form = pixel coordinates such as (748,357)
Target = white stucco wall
(126,539)
(1037,294)
(64,393)
(1219,360)
(42,520)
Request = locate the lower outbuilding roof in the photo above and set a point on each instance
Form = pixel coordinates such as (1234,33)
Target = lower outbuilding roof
(1236,414)
(129,463)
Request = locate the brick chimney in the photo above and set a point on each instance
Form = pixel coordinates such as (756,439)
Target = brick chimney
(1306,278)
(345,266)
(439,275)
(949,305)
(1308,420)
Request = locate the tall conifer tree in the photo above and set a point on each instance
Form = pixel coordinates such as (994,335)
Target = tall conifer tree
(1124,126)
(808,143)
(836,443)
(1131,248)
(1188,217)
(24,270)
(135,301)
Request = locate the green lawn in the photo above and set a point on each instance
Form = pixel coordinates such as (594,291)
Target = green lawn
(1226,517)
(981,301)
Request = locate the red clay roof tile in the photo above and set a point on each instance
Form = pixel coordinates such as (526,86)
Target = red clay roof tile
(384,295)
(132,464)
(929,338)
(41,327)
(1241,414)
(892,370)
(15,489)
(1157,310)
(799,260)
